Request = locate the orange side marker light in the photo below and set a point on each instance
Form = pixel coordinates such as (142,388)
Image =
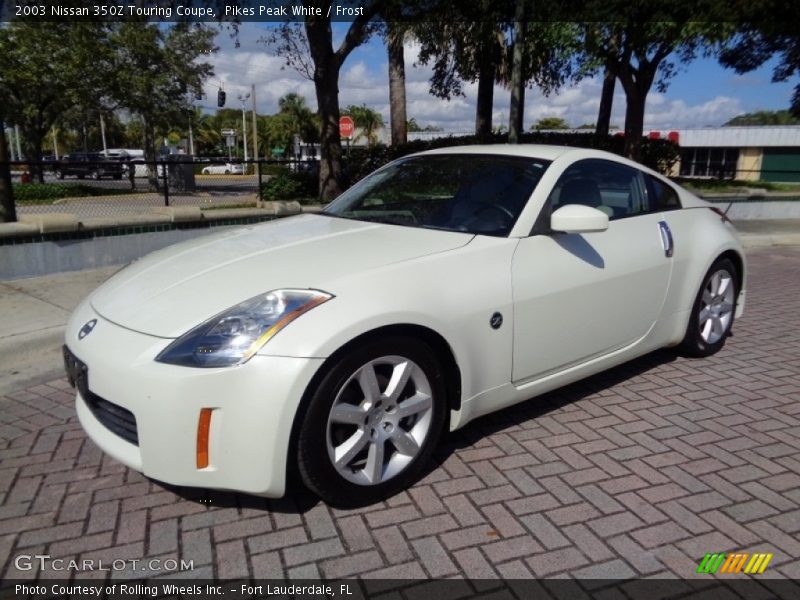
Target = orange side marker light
(203,426)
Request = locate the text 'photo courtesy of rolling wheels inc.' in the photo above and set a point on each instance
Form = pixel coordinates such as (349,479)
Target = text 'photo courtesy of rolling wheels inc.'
(399,299)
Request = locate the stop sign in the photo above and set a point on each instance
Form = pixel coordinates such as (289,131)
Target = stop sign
(346,127)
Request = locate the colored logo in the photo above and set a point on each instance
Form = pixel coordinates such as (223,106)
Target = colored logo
(738,562)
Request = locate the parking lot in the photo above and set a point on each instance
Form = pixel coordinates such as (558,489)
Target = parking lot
(637,472)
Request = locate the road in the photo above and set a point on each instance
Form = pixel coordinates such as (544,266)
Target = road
(636,472)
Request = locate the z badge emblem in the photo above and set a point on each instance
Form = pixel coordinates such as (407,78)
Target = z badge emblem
(87,329)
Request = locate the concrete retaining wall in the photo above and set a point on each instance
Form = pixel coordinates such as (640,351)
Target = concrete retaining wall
(43,258)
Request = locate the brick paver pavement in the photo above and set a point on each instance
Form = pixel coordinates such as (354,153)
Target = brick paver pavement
(636,472)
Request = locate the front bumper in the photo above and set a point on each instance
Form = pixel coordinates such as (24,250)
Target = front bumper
(253,406)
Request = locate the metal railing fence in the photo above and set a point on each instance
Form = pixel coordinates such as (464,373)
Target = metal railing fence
(109,188)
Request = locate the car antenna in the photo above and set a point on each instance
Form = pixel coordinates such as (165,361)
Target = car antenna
(729,207)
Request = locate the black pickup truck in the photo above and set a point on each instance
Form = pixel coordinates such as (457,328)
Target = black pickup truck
(88,164)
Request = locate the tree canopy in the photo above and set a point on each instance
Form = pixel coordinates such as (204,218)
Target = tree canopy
(764,117)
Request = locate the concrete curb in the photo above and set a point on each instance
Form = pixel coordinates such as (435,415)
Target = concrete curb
(765,240)
(51,222)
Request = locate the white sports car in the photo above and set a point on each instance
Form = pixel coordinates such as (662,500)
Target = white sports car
(444,286)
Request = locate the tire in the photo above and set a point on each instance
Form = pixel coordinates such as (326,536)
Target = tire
(59,174)
(96,175)
(227,172)
(368,424)
(715,299)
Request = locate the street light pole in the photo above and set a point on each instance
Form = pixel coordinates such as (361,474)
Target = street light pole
(242,99)
(255,129)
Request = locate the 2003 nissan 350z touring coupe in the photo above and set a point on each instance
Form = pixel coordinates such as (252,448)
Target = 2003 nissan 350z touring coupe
(444,286)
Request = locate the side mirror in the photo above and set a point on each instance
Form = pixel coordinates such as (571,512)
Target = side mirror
(578,218)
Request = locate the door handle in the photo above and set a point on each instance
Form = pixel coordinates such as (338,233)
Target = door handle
(666,238)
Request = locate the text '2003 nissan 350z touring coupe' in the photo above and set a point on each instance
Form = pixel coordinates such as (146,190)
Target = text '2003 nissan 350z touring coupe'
(443,286)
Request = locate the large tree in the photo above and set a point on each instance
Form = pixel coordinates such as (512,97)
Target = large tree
(46,69)
(643,46)
(474,42)
(465,42)
(770,29)
(311,52)
(159,71)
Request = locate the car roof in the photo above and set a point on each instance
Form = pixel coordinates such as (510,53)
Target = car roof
(542,151)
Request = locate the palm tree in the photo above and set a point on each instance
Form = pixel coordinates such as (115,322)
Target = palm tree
(367,120)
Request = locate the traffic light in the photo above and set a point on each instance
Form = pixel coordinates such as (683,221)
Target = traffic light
(221,98)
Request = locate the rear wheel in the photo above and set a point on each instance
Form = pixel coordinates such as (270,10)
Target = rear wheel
(373,422)
(96,175)
(713,311)
(59,174)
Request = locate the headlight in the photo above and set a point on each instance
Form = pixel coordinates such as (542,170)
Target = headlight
(232,337)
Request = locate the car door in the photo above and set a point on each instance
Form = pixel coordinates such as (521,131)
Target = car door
(581,296)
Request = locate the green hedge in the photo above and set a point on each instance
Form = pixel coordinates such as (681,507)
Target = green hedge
(286,185)
(47,193)
(660,155)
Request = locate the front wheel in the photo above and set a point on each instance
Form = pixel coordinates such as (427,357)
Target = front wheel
(713,311)
(373,422)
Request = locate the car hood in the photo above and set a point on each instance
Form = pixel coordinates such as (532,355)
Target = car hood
(171,291)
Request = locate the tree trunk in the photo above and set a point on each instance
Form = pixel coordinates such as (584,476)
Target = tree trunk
(606,103)
(150,154)
(326,85)
(32,147)
(8,211)
(634,120)
(517,108)
(397,84)
(485,104)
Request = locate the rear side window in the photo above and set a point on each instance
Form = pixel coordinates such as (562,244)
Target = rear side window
(613,188)
(664,196)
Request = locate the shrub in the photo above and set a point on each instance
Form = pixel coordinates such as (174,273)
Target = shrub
(660,155)
(291,186)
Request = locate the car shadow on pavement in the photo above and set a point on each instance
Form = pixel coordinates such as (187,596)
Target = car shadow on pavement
(299,500)
(539,406)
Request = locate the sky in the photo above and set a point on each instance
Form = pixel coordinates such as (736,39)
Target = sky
(702,94)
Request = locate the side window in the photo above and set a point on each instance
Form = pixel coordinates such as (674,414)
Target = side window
(664,196)
(617,190)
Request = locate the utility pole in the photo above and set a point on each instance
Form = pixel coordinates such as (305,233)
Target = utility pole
(191,141)
(243,99)
(255,129)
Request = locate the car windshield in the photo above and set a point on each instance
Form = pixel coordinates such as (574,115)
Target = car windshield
(481,194)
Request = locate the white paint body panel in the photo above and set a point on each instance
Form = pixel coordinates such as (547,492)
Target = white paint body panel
(573,305)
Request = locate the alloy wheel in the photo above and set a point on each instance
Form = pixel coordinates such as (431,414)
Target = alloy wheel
(379,420)
(716,313)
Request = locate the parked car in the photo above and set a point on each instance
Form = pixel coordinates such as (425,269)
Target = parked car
(92,164)
(224,169)
(442,287)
